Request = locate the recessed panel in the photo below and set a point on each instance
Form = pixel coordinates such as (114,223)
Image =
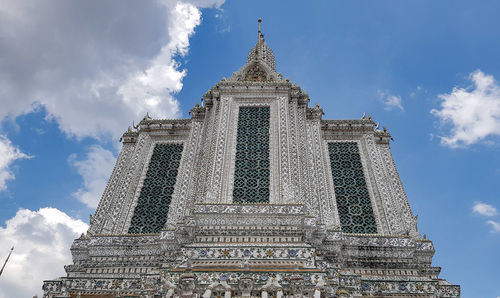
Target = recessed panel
(251,173)
(353,200)
(151,211)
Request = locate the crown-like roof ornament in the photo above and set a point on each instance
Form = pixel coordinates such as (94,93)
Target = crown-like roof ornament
(261,52)
(260,66)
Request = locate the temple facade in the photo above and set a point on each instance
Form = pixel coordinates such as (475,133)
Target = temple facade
(254,195)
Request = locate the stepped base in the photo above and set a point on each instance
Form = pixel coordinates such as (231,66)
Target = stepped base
(290,256)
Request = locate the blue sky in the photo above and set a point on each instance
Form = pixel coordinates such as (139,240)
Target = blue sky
(74,75)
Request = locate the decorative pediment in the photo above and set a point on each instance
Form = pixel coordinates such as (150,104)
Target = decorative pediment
(256,73)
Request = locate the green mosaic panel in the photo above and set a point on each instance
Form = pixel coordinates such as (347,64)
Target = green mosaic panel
(151,212)
(251,174)
(353,201)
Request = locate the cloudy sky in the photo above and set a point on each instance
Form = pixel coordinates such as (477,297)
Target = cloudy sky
(75,74)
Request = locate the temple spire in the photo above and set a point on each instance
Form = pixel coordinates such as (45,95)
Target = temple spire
(261,52)
(258,33)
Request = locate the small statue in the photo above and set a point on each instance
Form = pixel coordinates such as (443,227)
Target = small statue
(186,284)
(246,285)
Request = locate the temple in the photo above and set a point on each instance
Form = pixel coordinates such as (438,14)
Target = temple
(254,195)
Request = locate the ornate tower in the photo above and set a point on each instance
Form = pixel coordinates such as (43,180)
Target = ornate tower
(255,195)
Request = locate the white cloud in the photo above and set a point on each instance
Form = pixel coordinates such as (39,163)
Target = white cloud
(200,3)
(8,154)
(94,77)
(487,210)
(392,102)
(95,171)
(494,225)
(152,89)
(418,90)
(472,113)
(484,209)
(42,240)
